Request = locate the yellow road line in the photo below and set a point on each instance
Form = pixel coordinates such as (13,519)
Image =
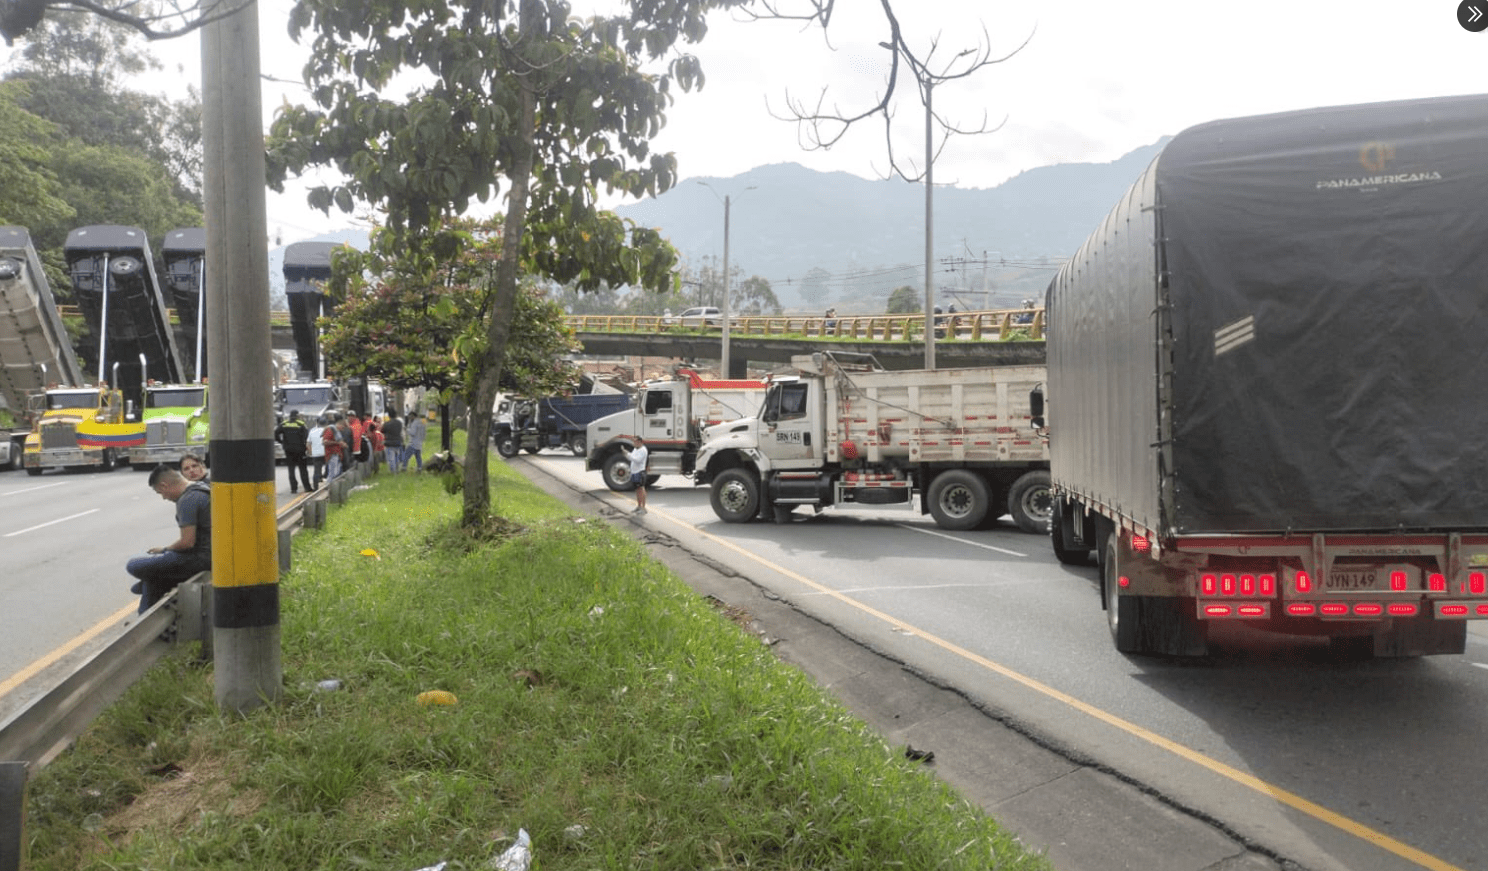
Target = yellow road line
(1290,799)
(36,667)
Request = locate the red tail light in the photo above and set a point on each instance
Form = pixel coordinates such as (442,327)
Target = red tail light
(1210,584)
(1369,609)
(1475,583)
(1140,544)
(1227,585)
(1397,580)
(1301,609)
(1483,610)
(1247,585)
(1454,610)
(1217,610)
(1333,609)
(1124,581)
(1438,582)
(1268,585)
(1303,582)
(1251,610)
(1402,609)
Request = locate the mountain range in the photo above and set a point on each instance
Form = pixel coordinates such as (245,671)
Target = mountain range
(832,238)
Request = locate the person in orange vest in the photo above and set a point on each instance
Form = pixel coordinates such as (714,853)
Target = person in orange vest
(354,450)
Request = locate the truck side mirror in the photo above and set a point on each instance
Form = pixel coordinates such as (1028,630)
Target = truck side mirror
(1036,407)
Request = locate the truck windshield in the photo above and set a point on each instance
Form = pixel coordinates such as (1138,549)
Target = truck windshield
(79,399)
(186,396)
(307,395)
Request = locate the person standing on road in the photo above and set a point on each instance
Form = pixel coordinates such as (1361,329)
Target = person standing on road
(295,437)
(413,440)
(335,448)
(392,441)
(639,455)
(162,568)
(317,451)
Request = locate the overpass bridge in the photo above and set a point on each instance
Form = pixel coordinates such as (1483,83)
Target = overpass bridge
(964,340)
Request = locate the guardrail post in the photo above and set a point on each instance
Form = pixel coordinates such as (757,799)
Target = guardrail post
(12,814)
(284,539)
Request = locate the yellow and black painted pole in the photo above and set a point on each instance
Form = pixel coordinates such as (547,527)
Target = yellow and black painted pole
(245,561)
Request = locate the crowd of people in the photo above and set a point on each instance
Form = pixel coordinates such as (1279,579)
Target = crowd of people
(313,455)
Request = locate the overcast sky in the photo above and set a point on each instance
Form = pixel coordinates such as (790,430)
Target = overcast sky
(1096,79)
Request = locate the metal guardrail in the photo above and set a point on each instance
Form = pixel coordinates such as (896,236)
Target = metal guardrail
(36,734)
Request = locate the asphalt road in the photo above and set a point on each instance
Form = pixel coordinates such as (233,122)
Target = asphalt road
(1269,744)
(1323,763)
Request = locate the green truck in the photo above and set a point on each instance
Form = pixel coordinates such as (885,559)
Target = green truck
(176,421)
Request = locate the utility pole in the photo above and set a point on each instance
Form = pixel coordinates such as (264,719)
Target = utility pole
(245,559)
(723,309)
(929,230)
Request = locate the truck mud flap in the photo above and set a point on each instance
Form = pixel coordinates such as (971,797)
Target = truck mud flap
(1421,637)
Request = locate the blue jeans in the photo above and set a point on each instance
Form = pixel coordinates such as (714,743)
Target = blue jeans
(159,573)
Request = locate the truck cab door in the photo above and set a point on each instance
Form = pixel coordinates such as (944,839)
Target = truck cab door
(790,433)
(663,418)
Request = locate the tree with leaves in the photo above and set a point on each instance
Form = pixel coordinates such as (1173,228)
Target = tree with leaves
(814,289)
(904,300)
(415,322)
(515,98)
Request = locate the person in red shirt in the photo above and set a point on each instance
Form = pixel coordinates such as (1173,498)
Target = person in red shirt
(334,449)
(355,422)
(374,429)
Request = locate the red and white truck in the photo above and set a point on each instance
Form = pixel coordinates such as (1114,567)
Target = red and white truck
(845,431)
(671,415)
(1266,389)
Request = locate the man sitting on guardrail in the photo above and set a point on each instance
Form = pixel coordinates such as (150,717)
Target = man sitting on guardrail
(162,568)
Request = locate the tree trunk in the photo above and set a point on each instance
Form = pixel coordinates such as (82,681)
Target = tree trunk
(477,504)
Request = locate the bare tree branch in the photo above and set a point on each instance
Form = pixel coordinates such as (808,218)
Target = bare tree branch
(820,127)
(19,17)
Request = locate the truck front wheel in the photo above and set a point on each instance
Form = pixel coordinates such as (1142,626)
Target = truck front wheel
(959,499)
(1031,502)
(109,461)
(617,472)
(735,496)
(506,445)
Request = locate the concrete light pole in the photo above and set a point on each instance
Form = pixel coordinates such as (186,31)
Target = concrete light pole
(727,371)
(245,558)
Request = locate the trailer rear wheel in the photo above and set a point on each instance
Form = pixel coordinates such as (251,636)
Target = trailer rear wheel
(735,496)
(506,446)
(1164,625)
(1031,502)
(579,445)
(617,472)
(959,499)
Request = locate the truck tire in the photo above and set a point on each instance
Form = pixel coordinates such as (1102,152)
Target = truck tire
(34,471)
(579,445)
(736,496)
(532,449)
(506,446)
(110,462)
(1031,502)
(617,472)
(1162,625)
(959,499)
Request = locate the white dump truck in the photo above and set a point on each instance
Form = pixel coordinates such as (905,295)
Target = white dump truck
(670,414)
(845,431)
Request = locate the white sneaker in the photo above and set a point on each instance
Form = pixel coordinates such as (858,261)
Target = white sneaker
(641,510)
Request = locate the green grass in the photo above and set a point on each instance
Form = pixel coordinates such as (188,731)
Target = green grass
(595,690)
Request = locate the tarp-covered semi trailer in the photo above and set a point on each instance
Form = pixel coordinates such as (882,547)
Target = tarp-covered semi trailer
(1267,383)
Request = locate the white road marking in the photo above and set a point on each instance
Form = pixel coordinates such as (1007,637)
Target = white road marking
(923,531)
(49,523)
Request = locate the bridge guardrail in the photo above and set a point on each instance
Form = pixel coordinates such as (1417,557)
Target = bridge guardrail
(977,326)
(36,734)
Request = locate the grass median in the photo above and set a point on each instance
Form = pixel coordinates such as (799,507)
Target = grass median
(597,702)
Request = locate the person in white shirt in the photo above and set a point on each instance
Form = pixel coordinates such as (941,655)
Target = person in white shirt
(317,451)
(638,456)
